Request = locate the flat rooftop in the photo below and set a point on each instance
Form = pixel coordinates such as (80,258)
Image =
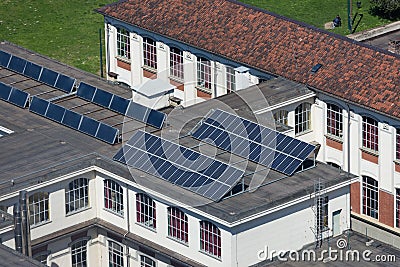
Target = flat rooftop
(10,257)
(40,149)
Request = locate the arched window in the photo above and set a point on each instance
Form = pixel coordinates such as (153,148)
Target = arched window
(281,116)
(123,43)
(79,253)
(334,120)
(370,133)
(302,118)
(177,224)
(146,261)
(38,208)
(149,53)
(370,191)
(76,195)
(176,63)
(210,238)
(204,73)
(145,210)
(113,196)
(115,254)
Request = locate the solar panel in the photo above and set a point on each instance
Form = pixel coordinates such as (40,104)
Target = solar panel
(48,77)
(38,105)
(5,91)
(156,118)
(179,165)
(89,126)
(86,91)
(18,98)
(65,83)
(17,64)
(4,59)
(253,141)
(102,98)
(55,112)
(32,70)
(137,111)
(71,119)
(119,104)
(107,133)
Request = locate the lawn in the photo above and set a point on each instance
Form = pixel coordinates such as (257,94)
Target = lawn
(318,12)
(66,30)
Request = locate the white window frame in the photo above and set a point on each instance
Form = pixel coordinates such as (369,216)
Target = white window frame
(146,261)
(113,197)
(176,63)
(230,79)
(115,250)
(334,120)
(204,74)
(370,197)
(123,44)
(180,233)
(302,116)
(39,211)
(149,53)
(77,195)
(281,116)
(79,247)
(370,134)
(210,230)
(146,211)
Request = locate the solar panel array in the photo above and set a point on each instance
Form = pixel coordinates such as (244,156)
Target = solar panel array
(253,141)
(13,95)
(74,120)
(36,72)
(121,105)
(179,165)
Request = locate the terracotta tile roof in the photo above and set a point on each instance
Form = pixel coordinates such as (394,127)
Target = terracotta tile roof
(357,72)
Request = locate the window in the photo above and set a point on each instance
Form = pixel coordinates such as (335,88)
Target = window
(113,196)
(397,207)
(38,208)
(41,257)
(230,79)
(334,120)
(78,253)
(76,195)
(146,262)
(204,73)
(177,224)
(302,118)
(149,53)
(115,254)
(176,63)
(281,116)
(210,238)
(123,43)
(398,144)
(370,133)
(370,197)
(145,210)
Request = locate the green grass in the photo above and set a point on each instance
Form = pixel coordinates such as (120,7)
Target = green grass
(318,12)
(66,30)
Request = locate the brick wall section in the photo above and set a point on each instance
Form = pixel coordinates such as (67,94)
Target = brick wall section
(386,208)
(369,157)
(203,94)
(124,65)
(335,144)
(178,85)
(149,74)
(397,167)
(355,197)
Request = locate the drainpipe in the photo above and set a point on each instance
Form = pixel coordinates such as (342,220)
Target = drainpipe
(215,79)
(25,224)
(348,167)
(17,227)
(128,225)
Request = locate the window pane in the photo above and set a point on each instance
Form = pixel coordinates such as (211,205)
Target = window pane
(145,210)
(76,195)
(123,43)
(113,196)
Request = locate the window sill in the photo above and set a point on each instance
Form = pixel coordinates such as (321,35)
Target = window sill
(334,138)
(210,255)
(176,79)
(203,89)
(114,212)
(77,211)
(370,151)
(123,59)
(303,133)
(178,241)
(396,161)
(40,224)
(147,227)
(149,69)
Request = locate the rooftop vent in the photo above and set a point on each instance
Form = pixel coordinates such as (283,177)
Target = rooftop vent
(316,68)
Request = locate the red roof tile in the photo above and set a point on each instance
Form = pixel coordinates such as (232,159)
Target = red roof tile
(351,70)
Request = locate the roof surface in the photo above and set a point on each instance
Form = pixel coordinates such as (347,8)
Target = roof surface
(10,257)
(41,150)
(359,73)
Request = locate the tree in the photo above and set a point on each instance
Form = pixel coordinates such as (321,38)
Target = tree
(389,9)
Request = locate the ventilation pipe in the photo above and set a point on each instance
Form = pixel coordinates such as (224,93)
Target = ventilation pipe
(17,227)
(26,240)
